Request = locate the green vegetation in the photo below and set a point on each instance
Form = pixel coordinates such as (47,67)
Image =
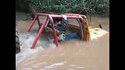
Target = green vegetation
(66,6)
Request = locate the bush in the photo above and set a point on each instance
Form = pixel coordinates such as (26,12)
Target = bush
(66,6)
(22,5)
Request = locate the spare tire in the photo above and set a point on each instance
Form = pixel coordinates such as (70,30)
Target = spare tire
(17,43)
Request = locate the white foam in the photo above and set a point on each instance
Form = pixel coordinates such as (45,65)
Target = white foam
(26,51)
(26,40)
(55,64)
(80,67)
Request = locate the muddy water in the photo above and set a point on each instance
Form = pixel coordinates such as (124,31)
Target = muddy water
(95,21)
(22,23)
(71,55)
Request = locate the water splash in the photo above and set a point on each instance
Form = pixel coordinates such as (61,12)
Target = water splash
(26,40)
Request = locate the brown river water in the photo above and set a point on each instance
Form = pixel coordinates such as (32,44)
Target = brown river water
(70,55)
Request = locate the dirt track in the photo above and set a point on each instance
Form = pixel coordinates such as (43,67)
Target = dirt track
(73,55)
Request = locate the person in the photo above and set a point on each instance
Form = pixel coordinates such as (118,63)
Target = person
(63,25)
